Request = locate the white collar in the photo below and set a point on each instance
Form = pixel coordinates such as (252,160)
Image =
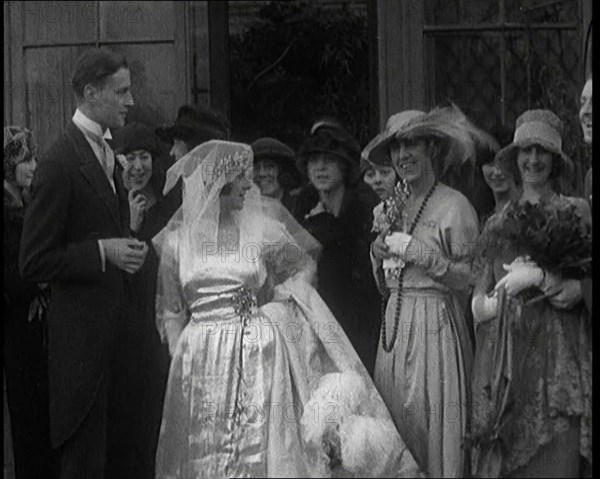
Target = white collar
(86,123)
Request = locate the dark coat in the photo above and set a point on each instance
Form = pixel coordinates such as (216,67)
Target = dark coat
(18,294)
(149,359)
(73,206)
(25,360)
(345,278)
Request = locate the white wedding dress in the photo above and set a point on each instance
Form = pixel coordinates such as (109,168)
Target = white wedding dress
(264,390)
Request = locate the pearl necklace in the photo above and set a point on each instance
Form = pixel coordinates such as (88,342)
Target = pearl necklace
(389,347)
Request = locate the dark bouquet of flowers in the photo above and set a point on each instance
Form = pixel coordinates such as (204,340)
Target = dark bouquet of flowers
(555,238)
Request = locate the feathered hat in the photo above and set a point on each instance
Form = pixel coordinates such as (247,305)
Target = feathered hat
(460,139)
(377,151)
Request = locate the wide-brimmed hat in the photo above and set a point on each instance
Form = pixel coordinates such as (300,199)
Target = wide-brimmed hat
(272,149)
(195,121)
(19,146)
(377,151)
(458,138)
(136,136)
(329,137)
(536,127)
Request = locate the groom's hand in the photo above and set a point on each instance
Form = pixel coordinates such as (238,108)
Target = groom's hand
(127,254)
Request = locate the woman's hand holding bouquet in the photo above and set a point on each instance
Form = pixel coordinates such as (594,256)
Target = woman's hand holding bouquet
(555,248)
(391,244)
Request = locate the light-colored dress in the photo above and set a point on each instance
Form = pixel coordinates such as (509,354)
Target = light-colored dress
(241,374)
(424,380)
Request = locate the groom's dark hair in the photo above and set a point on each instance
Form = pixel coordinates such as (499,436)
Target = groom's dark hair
(94,66)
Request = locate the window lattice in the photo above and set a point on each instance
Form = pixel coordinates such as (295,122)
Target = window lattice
(497,58)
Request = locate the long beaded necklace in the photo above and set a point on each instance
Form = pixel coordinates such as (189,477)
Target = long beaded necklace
(389,347)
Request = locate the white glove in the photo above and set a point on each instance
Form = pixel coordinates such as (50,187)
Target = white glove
(484,308)
(398,243)
(521,275)
(391,263)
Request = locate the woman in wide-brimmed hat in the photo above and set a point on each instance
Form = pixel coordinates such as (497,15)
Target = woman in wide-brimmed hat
(376,166)
(422,264)
(537,421)
(25,354)
(339,214)
(275,170)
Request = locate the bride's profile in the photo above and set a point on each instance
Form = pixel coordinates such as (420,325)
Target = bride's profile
(263,382)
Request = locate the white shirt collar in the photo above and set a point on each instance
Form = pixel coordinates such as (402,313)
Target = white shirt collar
(86,123)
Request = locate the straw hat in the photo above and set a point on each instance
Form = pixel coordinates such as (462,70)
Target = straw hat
(536,127)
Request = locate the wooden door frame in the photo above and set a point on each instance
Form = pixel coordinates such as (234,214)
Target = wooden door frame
(219,61)
(400,57)
(15,84)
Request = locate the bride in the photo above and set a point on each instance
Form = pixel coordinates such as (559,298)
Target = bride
(263,382)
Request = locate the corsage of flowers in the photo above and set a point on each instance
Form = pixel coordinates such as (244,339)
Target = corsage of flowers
(388,216)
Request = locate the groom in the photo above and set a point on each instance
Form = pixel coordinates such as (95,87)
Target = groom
(76,237)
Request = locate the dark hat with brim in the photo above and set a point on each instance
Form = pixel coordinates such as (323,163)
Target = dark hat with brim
(330,138)
(136,136)
(536,127)
(271,149)
(195,121)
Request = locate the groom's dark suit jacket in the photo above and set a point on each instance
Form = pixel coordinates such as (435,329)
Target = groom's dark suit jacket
(73,206)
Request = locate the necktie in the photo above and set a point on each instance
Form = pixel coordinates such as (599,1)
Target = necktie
(106,157)
(108,162)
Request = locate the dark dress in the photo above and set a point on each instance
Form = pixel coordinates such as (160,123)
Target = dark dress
(25,361)
(539,419)
(345,280)
(150,357)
